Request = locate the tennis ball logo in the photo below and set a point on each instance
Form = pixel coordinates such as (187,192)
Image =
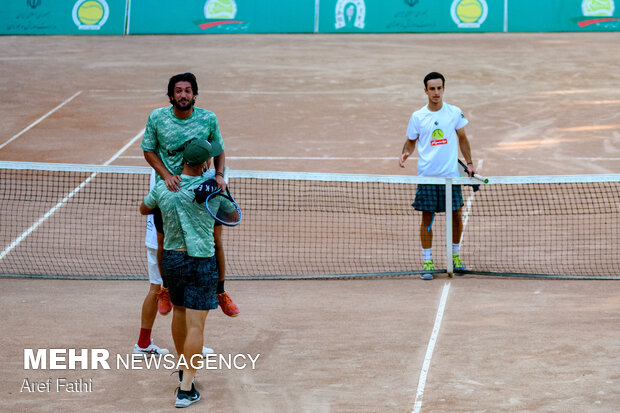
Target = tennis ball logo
(220,9)
(437,134)
(597,7)
(469,13)
(90,14)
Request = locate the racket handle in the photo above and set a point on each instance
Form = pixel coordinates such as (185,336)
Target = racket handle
(481,178)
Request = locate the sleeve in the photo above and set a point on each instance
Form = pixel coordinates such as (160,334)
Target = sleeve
(150,200)
(462,120)
(149,140)
(215,133)
(412,130)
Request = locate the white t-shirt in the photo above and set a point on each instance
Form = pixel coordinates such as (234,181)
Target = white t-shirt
(151,233)
(438,145)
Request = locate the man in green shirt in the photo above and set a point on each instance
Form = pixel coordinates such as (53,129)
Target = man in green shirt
(168,130)
(189,266)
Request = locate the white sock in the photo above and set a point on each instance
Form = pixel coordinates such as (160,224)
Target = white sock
(456,248)
(428,254)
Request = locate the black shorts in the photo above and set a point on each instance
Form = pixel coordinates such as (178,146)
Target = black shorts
(432,198)
(191,281)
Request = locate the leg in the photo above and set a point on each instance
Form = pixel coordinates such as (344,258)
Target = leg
(426,234)
(226,304)
(164,304)
(149,307)
(179,328)
(457,226)
(457,232)
(192,348)
(219,253)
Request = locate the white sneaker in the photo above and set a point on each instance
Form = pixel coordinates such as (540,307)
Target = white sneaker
(207,350)
(151,349)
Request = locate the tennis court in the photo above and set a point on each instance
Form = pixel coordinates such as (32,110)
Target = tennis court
(537,104)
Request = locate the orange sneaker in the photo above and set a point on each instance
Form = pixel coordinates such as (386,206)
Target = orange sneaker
(164,305)
(226,304)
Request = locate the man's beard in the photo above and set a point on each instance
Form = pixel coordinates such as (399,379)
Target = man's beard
(183,106)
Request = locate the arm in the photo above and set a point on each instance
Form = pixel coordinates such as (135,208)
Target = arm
(465,150)
(219,162)
(408,149)
(173,182)
(144,210)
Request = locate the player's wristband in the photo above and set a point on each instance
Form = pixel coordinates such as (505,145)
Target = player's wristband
(220,174)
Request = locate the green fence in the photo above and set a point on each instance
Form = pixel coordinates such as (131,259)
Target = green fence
(304,16)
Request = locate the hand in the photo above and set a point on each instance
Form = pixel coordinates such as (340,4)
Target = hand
(403,158)
(173,183)
(470,169)
(221,183)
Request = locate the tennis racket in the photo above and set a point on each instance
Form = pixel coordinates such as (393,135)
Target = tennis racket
(222,206)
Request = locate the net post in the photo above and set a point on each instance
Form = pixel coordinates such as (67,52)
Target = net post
(449,263)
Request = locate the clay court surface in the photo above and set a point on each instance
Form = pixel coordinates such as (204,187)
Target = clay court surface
(537,104)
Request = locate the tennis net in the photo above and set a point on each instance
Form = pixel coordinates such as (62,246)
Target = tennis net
(82,221)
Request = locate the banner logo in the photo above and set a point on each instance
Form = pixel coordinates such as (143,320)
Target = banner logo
(469,14)
(223,12)
(597,7)
(346,9)
(90,14)
(220,9)
(33,4)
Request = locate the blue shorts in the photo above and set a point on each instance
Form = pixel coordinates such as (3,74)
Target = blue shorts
(432,198)
(191,281)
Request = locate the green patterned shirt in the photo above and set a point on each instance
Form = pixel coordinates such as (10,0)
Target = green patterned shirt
(165,134)
(187,224)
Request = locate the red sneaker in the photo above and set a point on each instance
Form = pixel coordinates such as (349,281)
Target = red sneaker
(164,305)
(226,304)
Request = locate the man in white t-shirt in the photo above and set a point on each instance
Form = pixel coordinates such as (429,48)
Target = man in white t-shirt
(438,129)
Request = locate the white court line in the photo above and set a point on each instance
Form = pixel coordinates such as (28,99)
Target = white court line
(70,195)
(40,119)
(429,350)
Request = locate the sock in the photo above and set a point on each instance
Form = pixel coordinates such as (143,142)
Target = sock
(145,338)
(456,248)
(428,254)
(220,287)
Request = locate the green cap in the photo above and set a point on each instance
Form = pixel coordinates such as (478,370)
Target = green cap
(199,150)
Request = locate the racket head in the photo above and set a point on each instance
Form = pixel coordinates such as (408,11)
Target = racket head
(223,208)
